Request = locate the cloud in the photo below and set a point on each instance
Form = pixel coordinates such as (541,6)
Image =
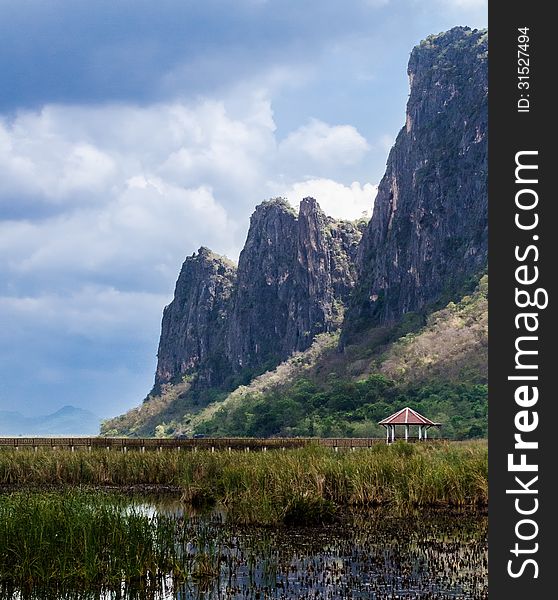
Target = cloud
(336,200)
(93,346)
(100,205)
(136,240)
(68,153)
(131,189)
(76,172)
(132,132)
(325,144)
(136,50)
(91,312)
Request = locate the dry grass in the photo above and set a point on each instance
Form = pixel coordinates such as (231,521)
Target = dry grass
(261,487)
(454,336)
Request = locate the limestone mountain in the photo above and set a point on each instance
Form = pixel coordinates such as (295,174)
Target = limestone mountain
(428,232)
(440,368)
(195,322)
(302,276)
(294,275)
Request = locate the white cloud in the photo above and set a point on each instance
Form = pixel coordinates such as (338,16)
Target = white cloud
(101,201)
(38,160)
(136,188)
(325,144)
(138,239)
(64,153)
(214,145)
(337,200)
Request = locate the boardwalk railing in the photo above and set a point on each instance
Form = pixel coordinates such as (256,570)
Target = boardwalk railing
(212,444)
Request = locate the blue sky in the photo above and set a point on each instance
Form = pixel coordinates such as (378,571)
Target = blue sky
(133,132)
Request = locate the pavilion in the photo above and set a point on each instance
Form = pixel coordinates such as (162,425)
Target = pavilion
(407,417)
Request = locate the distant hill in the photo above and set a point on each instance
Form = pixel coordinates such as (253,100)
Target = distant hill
(69,420)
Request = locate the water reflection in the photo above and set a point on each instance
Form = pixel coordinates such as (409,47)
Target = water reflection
(374,554)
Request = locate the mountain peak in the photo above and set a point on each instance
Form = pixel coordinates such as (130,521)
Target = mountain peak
(204,251)
(308,206)
(274,206)
(293,276)
(68,420)
(207,255)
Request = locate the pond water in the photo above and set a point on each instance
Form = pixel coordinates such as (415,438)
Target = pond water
(368,554)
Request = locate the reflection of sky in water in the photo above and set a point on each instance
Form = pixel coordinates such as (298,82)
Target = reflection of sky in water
(372,555)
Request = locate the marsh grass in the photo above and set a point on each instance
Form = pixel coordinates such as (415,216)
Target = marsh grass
(80,539)
(266,487)
(53,537)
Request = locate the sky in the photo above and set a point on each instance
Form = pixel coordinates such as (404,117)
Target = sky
(132,132)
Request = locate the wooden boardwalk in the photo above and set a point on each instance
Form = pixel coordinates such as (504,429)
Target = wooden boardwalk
(160,444)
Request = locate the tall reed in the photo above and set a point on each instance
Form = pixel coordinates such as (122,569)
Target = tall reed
(78,539)
(261,487)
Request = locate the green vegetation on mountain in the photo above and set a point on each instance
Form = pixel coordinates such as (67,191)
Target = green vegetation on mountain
(439,368)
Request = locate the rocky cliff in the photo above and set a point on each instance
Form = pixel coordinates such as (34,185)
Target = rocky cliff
(428,232)
(294,275)
(195,322)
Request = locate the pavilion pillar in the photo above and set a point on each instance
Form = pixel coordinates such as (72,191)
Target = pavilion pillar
(393,433)
(420,433)
(387,434)
(426,433)
(406,433)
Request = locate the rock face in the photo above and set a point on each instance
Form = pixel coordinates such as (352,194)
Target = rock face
(428,233)
(195,322)
(294,275)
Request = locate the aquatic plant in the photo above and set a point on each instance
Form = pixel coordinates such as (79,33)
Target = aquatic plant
(79,539)
(380,553)
(259,487)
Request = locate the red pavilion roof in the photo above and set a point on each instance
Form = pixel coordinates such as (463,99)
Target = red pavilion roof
(407,416)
